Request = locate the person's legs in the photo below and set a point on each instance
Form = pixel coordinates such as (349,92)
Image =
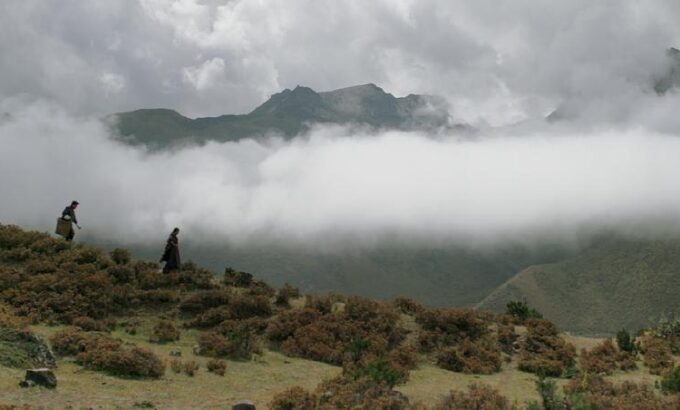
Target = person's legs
(70,235)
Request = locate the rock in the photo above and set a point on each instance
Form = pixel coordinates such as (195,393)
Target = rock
(176,353)
(23,349)
(197,349)
(39,377)
(243,405)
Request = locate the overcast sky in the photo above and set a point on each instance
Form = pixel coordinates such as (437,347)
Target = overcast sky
(503,66)
(497,61)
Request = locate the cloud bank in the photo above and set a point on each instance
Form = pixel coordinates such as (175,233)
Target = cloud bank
(332,187)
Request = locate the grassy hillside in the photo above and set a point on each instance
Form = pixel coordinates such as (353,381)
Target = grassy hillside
(612,285)
(128,336)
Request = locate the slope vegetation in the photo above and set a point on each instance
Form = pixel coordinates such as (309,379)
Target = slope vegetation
(614,284)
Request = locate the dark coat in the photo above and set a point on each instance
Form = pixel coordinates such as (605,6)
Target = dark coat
(171,254)
(71,214)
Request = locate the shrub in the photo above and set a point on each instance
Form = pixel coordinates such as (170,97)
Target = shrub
(671,382)
(657,355)
(543,351)
(482,357)
(236,345)
(479,396)
(98,352)
(507,338)
(600,359)
(669,330)
(624,341)
(91,325)
(121,273)
(135,362)
(446,327)
(120,256)
(380,371)
(294,398)
(210,318)
(9,319)
(204,300)
(323,304)
(164,331)
(243,307)
(176,365)
(521,311)
(407,306)
(190,367)
(284,294)
(237,279)
(594,392)
(363,393)
(216,366)
(286,323)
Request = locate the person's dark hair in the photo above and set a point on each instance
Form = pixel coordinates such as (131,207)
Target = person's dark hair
(75,203)
(175,231)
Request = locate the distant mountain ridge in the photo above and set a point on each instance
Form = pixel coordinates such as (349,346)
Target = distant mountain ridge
(287,113)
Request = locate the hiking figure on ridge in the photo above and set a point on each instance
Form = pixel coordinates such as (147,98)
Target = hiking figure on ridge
(171,253)
(66,221)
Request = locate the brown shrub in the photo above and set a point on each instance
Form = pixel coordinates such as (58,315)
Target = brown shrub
(284,295)
(286,323)
(91,325)
(447,327)
(120,256)
(602,394)
(8,318)
(176,365)
(657,355)
(99,352)
(407,306)
(237,279)
(134,362)
(362,393)
(323,304)
(543,351)
(294,398)
(203,300)
(164,331)
(243,306)
(210,318)
(236,345)
(121,273)
(627,360)
(507,337)
(481,357)
(600,359)
(219,367)
(478,397)
(190,367)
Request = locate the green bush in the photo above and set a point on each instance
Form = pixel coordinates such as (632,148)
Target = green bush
(671,382)
(624,341)
(120,256)
(521,311)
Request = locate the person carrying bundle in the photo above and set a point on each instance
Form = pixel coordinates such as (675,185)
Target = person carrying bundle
(171,253)
(67,220)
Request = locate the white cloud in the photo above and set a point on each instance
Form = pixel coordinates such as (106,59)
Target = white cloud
(334,187)
(206,75)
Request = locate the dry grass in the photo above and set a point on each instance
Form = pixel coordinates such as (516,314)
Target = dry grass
(256,380)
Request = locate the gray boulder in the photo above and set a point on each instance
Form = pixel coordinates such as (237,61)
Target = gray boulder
(39,377)
(243,405)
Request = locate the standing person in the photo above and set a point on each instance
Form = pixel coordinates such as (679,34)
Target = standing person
(69,214)
(171,253)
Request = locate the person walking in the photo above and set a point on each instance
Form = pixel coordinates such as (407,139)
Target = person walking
(171,253)
(68,219)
